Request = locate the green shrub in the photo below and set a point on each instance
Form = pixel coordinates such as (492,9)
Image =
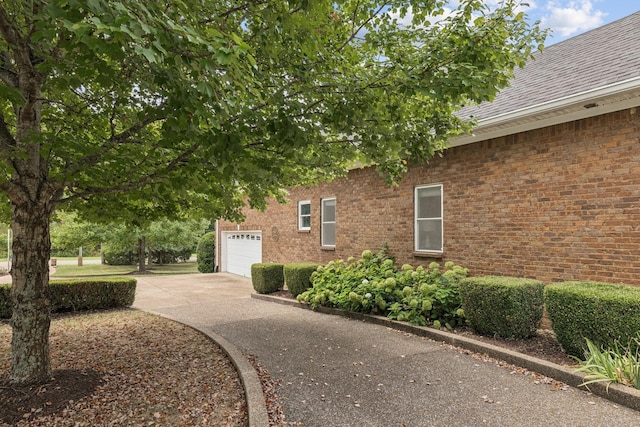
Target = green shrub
(507,307)
(120,257)
(373,284)
(170,256)
(298,277)
(604,313)
(81,294)
(5,301)
(206,253)
(267,278)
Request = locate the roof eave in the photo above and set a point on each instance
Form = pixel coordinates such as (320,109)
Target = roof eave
(602,100)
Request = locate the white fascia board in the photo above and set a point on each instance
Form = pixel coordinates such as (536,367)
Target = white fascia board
(498,126)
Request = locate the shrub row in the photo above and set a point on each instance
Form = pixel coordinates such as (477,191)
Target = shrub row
(159,256)
(270,277)
(606,314)
(80,294)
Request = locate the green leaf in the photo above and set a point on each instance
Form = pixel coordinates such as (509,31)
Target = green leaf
(148,53)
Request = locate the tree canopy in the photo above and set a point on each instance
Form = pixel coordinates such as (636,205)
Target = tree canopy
(218,100)
(139,110)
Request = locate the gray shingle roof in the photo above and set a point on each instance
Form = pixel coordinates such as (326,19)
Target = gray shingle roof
(603,56)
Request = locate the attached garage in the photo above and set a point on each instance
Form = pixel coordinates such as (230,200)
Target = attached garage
(240,249)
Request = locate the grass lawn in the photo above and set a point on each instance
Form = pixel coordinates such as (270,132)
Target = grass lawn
(98,270)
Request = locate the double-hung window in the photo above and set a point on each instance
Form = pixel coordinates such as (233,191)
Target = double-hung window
(428,218)
(304,215)
(328,235)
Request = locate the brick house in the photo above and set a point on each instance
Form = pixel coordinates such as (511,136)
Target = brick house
(547,187)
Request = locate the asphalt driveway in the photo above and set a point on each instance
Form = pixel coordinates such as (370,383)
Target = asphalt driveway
(335,371)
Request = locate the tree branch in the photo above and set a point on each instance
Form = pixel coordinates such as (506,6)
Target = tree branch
(93,159)
(174,164)
(122,137)
(355,31)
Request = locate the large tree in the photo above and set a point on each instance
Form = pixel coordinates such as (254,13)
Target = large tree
(210,103)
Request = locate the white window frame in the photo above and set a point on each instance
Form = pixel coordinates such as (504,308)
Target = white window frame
(417,220)
(301,225)
(323,221)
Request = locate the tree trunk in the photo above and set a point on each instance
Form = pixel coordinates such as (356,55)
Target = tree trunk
(141,249)
(30,362)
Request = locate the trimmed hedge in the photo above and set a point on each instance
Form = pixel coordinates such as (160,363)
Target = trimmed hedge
(206,253)
(80,294)
(5,301)
(602,312)
(126,257)
(298,276)
(507,307)
(267,278)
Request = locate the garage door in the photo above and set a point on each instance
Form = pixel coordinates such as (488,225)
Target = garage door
(242,250)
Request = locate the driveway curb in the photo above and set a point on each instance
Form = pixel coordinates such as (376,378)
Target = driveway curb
(619,394)
(256,403)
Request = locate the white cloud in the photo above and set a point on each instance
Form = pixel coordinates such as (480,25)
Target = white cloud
(450,8)
(521,6)
(407,20)
(526,6)
(571,17)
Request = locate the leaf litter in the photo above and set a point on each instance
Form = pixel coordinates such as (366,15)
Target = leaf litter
(125,367)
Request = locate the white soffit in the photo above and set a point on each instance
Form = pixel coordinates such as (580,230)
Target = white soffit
(607,99)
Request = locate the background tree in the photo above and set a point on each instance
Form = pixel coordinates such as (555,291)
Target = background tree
(69,233)
(202,105)
(173,241)
(166,241)
(121,245)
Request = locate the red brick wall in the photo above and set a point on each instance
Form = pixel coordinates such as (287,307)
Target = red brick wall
(558,203)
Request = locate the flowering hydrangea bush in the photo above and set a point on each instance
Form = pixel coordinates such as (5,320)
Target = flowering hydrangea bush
(373,284)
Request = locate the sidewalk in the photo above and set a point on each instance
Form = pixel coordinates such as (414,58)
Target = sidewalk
(335,371)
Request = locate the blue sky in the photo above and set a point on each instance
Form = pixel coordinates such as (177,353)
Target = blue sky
(568,18)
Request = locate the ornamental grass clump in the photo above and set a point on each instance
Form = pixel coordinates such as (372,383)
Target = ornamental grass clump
(613,365)
(373,284)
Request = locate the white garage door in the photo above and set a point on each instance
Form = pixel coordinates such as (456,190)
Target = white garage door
(242,250)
